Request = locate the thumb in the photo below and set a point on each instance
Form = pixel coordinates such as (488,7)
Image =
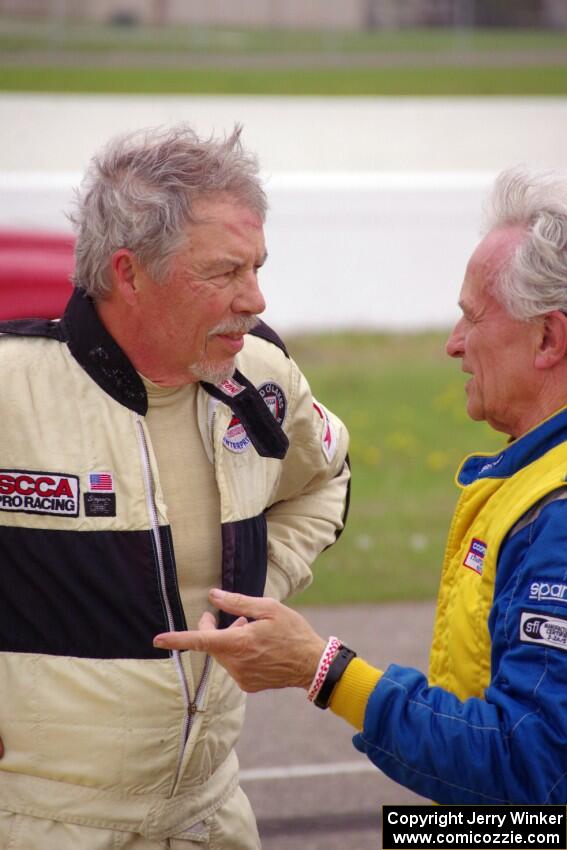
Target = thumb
(251,607)
(207,622)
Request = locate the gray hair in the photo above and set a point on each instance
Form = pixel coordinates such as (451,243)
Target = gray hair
(138,193)
(534,281)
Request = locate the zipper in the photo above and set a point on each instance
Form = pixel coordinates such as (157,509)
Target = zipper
(191,707)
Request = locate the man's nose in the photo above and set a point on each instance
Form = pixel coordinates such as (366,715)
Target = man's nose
(455,346)
(249,298)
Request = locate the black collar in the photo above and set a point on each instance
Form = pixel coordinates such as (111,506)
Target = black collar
(101,357)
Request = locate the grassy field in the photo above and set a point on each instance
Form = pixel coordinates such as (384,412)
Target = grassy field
(403,401)
(18,34)
(65,57)
(459,81)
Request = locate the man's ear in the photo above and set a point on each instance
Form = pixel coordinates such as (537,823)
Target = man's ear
(552,346)
(126,272)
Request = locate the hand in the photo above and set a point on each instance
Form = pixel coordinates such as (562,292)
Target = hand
(278,650)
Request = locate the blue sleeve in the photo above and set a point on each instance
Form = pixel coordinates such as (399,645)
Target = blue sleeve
(510,747)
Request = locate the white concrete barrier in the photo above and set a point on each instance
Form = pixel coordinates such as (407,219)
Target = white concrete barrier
(366,250)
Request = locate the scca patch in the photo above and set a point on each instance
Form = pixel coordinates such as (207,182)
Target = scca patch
(48,493)
(543,630)
(474,558)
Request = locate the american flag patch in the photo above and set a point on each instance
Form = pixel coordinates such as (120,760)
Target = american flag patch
(101,481)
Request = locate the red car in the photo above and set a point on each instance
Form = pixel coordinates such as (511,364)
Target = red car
(35,270)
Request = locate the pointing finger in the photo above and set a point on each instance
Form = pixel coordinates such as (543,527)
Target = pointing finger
(207,640)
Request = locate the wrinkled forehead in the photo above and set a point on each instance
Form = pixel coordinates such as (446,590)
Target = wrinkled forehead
(494,252)
(225,207)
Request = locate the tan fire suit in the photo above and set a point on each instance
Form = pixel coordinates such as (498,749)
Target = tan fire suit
(103,732)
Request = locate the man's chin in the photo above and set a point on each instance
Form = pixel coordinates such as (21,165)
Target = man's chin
(213,372)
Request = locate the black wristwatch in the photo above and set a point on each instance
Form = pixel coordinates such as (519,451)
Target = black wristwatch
(337,667)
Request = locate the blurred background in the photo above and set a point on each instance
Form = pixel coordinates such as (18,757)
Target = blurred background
(379,125)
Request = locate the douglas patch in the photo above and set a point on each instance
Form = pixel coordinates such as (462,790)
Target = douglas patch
(543,630)
(275,400)
(51,493)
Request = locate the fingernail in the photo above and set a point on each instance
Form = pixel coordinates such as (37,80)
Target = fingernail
(216,593)
(159,643)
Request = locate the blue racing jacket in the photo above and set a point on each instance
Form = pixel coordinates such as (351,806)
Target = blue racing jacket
(490,723)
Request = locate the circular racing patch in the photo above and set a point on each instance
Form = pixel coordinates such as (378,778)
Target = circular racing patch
(275,399)
(236,439)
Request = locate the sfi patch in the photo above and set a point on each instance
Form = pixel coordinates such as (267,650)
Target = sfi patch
(275,400)
(543,630)
(329,441)
(46,493)
(236,439)
(474,558)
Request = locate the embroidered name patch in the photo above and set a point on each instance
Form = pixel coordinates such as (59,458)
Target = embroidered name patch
(52,493)
(474,559)
(543,630)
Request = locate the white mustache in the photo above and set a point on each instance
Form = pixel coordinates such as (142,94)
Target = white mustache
(236,326)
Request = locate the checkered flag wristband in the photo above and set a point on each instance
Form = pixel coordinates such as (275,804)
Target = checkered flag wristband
(329,654)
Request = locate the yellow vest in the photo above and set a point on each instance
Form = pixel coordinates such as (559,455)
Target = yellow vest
(487,509)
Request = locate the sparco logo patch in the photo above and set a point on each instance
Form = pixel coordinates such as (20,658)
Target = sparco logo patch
(474,558)
(543,630)
(546,591)
(275,399)
(53,493)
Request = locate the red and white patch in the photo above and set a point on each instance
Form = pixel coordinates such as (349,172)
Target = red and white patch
(236,439)
(230,387)
(53,493)
(474,558)
(329,440)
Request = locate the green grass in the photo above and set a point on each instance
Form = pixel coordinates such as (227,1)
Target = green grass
(403,401)
(19,34)
(331,81)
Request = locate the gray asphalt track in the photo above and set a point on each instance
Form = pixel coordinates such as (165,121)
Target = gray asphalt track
(339,810)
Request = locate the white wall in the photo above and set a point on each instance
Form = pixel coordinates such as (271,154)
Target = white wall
(375,203)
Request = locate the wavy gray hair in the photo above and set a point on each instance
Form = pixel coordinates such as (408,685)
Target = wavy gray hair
(534,282)
(138,193)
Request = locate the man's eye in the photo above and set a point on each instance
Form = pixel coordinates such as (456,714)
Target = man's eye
(222,278)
